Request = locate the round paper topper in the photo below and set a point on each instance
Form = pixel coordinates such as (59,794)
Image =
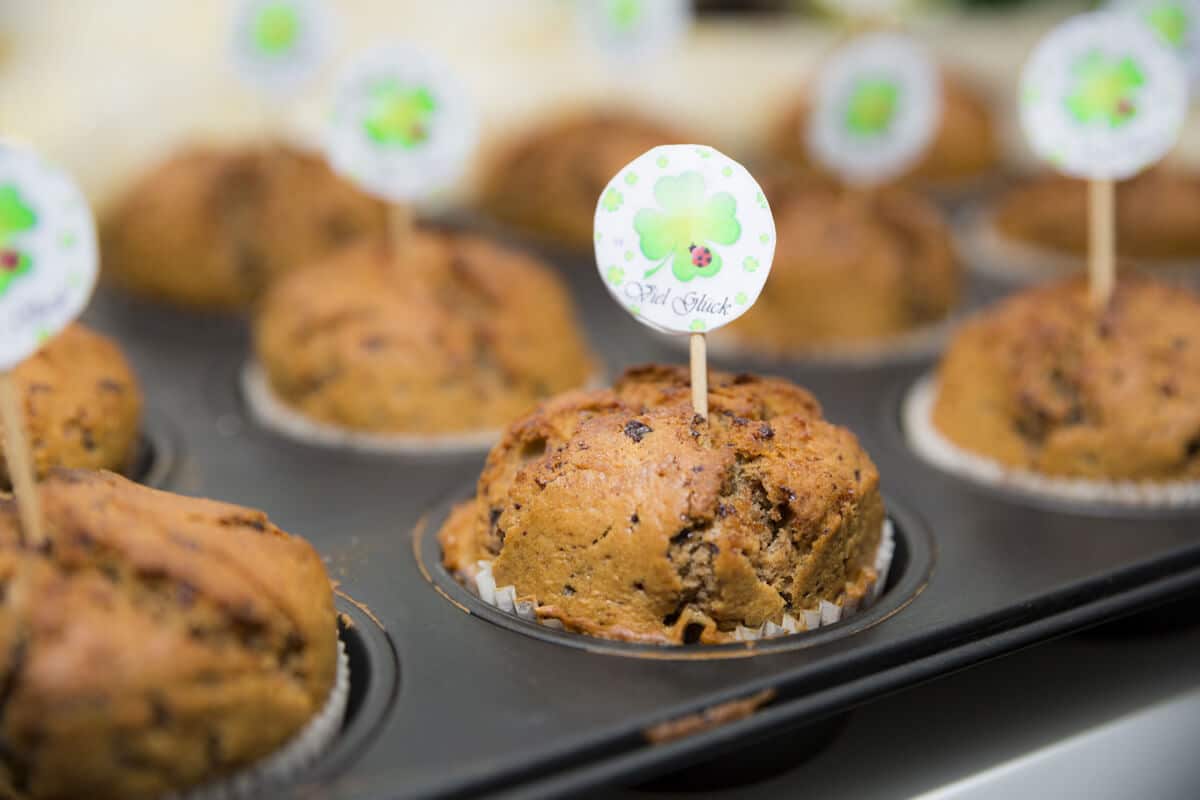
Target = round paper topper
(1101,97)
(634,29)
(684,238)
(278,45)
(867,9)
(403,127)
(48,260)
(876,108)
(1177,23)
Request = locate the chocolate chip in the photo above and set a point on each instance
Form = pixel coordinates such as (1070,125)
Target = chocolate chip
(373,343)
(723,510)
(568,590)
(635,519)
(765,431)
(110,385)
(637,430)
(185,594)
(740,421)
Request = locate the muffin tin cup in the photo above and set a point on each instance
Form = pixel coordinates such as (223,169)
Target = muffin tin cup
(928,442)
(988,251)
(290,760)
(508,600)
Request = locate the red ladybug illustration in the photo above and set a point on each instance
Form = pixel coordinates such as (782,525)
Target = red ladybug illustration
(9,260)
(701,256)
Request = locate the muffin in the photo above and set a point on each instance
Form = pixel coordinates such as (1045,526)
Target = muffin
(851,268)
(210,229)
(965,147)
(547,182)
(82,404)
(156,642)
(1044,383)
(462,336)
(622,515)
(1157,216)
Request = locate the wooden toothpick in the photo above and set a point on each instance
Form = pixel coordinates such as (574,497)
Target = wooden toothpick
(20,462)
(400,228)
(1102,260)
(700,374)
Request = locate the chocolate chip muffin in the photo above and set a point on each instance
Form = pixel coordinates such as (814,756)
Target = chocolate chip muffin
(1158,215)
(1045,383)
(210,229)
(965,147)
(82,404)
(458,335)
(547,182)
(851,267)
(155,643)
(623,515)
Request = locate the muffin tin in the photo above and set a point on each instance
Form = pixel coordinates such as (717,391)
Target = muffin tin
(457,698)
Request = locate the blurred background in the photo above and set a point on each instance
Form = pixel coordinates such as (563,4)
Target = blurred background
(107,86)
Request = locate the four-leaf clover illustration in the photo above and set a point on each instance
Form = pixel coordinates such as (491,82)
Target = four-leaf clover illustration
(399,115)
(15,218)
(1105,89)
(1171,22)
(612,200)
(872,106)
(624,14)
(276,28)
(685,226)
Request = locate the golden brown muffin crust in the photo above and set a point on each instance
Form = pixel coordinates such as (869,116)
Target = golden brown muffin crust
(1045,383)
(158,641)
(549,180)
(82,404)
(965,145)
(211,229)
(624,516)
(1158,214)
(463,335)
(850,266)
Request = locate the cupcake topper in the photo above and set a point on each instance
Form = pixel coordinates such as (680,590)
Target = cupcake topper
(684,242)
(278,45)
(877,105)
(1177,23)
(48,268)
(403,128)
(633,30)
(1102,98)
(866,11)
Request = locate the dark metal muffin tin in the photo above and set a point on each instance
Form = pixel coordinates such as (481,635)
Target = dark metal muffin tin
(460,699)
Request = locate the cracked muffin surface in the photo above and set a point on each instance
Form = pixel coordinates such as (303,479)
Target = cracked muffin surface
(850,266)
(624,516)
(1045,383)
(965,145)
(1157,214)
(460,334)
(156,642)
(82,404)
(210,229)
(548,180)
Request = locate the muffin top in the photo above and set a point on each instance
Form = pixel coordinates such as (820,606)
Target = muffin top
(460,334)
(548,181)
(965,145)
(625,516)
(850,266)
(1044,382)
(1157,214)
(157,641)
(82,404)
(210,229)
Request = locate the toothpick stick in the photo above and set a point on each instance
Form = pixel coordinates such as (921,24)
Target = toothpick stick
(20,462)
(700,374)
(1102,267)
(400,227)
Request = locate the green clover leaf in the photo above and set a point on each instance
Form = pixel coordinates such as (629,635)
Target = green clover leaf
(750,264)
(16,217)
(612,200)
(276,29)
(616,276)
(698,325)
(685,226)
(1171,22)
(630,178)
(1105,90)
(624,14)
(740,298)
(872,106)
(399,115)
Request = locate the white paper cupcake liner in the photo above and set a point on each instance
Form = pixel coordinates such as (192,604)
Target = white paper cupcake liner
(274,414)
(293,757)
(989,252)
(928,442)
(507,600)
